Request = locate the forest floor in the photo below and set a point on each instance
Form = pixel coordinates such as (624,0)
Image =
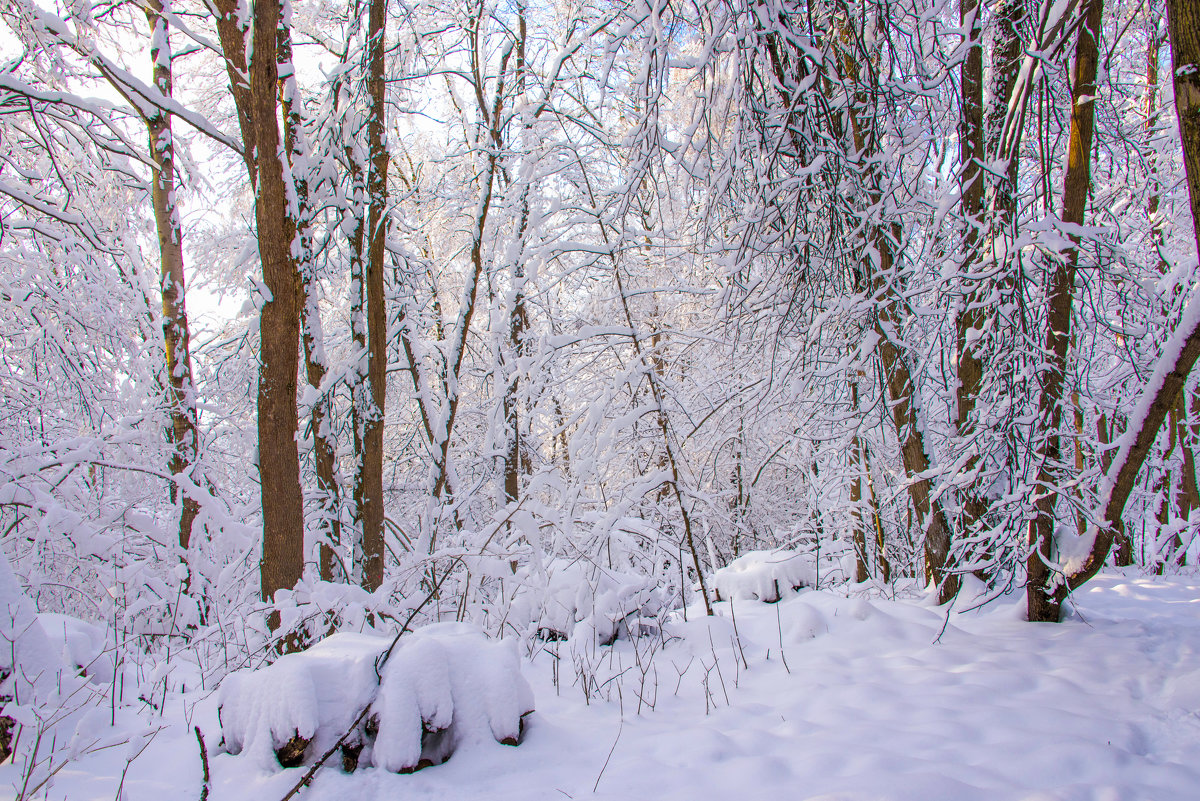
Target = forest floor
(817,697)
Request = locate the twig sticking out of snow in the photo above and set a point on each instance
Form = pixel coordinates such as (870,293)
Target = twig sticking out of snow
(607,759)
(203,765)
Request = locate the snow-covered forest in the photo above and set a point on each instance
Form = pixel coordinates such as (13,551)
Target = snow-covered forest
(710,399)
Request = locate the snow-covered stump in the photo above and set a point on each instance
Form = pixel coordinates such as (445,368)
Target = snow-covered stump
(442,687)
(764,576)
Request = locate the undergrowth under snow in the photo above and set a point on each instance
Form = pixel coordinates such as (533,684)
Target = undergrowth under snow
(820,696)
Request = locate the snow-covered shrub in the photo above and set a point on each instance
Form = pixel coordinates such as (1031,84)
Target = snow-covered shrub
(575,598)
(764,576)
(85,646)
(44,704)
(441,687)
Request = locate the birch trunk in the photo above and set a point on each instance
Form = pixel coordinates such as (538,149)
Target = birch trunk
(181,394)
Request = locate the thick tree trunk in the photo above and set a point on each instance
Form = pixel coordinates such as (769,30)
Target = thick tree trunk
(181,392)
(279,325)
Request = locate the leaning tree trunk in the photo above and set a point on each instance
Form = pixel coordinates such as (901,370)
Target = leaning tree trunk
(1182,349)
(902,392)
(884,281)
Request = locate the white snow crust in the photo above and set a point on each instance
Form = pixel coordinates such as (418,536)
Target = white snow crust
(829,694)
(32,671)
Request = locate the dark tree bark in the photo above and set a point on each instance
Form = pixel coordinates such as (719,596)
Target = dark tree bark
(1007,53)
(304,268)
(368,487)
(1040,593)
(882,276)
(231,31)
(1122,544)
(514,459)
(857,463)
(1182,349)
(279,324)
(970,318)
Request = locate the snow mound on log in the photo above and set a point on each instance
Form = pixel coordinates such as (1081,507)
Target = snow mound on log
(442,687)
(578,599)
(764,576)
(446,687)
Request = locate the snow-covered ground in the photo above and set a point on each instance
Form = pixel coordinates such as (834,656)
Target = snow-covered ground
(817,697)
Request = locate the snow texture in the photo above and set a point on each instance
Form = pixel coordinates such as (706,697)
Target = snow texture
(448,678)
(84,646)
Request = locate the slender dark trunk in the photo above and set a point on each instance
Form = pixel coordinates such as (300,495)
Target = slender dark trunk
(970,318)
(369,484)
(1007,52)
(1182,349)
(1041,577)
(307,291)
(862,571)
(232,31)
(182,434)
